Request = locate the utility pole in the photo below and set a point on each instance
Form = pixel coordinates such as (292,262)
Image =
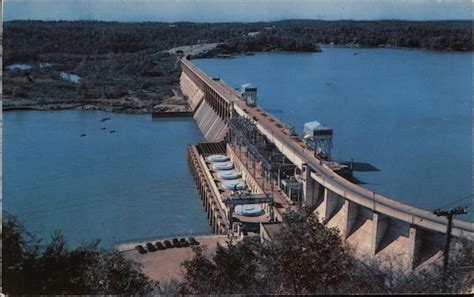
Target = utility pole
(449,214)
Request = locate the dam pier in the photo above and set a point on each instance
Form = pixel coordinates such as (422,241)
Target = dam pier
(254,169)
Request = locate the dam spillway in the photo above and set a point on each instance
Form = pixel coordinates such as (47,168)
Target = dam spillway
(373,224)
(212,126)
(210,120)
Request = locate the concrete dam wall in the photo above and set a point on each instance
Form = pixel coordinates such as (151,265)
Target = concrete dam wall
(373,225)
(210,119)
(211,125)
(191,90)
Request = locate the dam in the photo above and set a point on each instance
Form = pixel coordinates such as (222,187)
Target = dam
(276,172)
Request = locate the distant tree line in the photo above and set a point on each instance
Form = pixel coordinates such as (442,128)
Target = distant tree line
(261,43)
(26,40)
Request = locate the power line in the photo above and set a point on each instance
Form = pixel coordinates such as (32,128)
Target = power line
(467,205)
(458,200)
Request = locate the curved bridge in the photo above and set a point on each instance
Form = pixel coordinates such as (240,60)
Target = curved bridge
(371,223)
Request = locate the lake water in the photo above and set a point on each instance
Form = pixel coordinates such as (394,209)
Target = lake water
(406,112)
(131,184)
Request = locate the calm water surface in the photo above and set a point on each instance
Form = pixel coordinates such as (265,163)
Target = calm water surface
(127,185)
(406,112)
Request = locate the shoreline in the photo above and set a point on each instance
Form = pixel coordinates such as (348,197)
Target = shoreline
(129,245)
(140,106)
(125,105)
(172,104)
(79,107)
(360,46)
(326,45)
(165,265)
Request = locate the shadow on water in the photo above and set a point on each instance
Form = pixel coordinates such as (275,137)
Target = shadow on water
(361,182)
(361,166)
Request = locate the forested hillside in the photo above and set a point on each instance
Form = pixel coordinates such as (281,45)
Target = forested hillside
(25,40)
(126,67)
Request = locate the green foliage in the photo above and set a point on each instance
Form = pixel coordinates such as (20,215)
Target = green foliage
(199,275)
(306,256)
(32,268)
(374,276)
(27,40)
(114,60)
(231,269)
(19,92)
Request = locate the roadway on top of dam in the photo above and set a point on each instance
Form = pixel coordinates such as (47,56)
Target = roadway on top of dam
(295,151)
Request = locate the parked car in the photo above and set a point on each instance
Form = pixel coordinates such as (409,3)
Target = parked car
(193,241)
(167,244)
(160,246)
(150,247)
(176,242)
(140,249)
(184,242)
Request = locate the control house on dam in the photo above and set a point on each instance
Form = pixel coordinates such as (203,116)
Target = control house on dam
(255,168)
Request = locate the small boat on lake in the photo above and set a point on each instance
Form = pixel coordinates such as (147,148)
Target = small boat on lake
(83,135)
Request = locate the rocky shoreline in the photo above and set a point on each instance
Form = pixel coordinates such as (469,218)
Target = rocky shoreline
(176,103)
(68,106)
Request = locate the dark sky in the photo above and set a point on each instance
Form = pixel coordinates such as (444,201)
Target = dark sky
(235,10)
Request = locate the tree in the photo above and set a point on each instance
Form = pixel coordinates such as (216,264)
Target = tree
(231,269)
(19,251)
(31,268)
(199,274)
(306,257)
(20,92)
